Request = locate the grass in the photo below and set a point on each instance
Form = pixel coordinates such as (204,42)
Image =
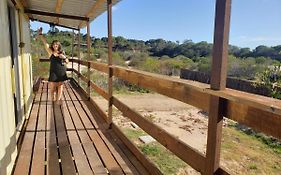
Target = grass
(240,154)
(165,160)
(246,154)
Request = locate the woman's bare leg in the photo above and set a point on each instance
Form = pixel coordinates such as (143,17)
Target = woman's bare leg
(53,87)
(60,89)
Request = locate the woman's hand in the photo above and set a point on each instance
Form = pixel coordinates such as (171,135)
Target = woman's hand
(39,32)
(62,56)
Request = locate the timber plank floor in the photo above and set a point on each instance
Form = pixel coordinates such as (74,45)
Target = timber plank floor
(71,138)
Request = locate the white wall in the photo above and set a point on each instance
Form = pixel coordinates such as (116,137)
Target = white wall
(8,149)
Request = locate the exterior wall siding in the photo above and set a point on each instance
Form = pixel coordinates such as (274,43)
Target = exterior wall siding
(8,130)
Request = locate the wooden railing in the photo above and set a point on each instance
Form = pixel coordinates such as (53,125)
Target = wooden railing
(261,113)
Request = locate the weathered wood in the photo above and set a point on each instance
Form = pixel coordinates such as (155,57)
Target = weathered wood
(59,15)
(102,67)
(150,166)
(99,90)
(64,146)
(97,4)
(218,82)
(79,156)
(88,64)
(38,160)
(53,167)
(58,9)
(102,131)
(110,73)
(198,94)
(99,66)
(190,93)
(193,157)
(25,154)
(79,56)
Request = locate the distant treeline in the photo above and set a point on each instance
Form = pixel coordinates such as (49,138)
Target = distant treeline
(160,47)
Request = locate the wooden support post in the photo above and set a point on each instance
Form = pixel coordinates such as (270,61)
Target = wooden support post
(89,55)
(72,50)
(218,82)
(79,57)
(110,72)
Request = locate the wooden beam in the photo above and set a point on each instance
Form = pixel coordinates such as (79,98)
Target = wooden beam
(150,166)
(22,4)
(32,19)
(110,72)
(89,55)
(79,56)
(218,82)
(244,108)
(97,4)
(36,12)
(58,9)
(72,50)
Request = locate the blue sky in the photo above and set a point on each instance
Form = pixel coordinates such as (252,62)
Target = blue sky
(253,22)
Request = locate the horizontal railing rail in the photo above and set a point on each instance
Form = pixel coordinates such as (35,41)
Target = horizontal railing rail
(258,112)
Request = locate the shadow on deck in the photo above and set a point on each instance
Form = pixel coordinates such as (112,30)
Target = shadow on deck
(71,139)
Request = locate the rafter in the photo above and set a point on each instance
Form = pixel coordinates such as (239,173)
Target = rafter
(54,24)
(92,11)
(22,4)
(58,9)
(82,18)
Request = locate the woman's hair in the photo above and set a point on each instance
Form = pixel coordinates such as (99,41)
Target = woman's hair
(58,43)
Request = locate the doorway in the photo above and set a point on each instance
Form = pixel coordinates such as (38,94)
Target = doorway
(15,64)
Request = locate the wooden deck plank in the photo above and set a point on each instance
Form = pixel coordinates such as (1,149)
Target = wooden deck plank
(89,148)
(66,114)
(67,163)
(92,154)
(38,159)
(31,126)
(119,155)
(107,157)
(41,124)
(121,158)
(80,158)
(53,167)
(24,157)
(64,139)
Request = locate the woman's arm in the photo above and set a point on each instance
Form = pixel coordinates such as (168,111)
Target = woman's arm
(43,39)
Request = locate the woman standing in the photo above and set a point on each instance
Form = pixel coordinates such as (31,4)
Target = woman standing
(57,73)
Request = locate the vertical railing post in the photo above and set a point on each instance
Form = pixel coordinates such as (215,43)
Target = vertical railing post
(79,58)
(110,71)
(72,52)
(218,82)
(89,54)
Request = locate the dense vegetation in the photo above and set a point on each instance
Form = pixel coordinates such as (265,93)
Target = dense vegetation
(167,57)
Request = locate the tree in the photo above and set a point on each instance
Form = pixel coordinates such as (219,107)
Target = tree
(271,79)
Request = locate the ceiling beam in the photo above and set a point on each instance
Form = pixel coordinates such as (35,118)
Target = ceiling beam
(54,24)
(58,9)
(36,12)
(91,12)
(23,5)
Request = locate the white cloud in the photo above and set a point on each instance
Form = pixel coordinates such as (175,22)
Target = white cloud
(114,8)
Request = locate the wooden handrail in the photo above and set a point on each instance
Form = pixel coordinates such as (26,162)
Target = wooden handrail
(259,112)
(189,155)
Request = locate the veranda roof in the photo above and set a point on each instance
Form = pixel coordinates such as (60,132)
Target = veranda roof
(67,13)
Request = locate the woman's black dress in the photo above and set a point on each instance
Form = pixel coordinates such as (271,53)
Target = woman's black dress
(57,69)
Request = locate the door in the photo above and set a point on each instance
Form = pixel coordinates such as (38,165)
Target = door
(15,64)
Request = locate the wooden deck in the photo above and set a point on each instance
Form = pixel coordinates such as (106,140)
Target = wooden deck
(70,139)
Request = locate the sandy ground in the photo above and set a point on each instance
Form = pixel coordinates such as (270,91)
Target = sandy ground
(185,122)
